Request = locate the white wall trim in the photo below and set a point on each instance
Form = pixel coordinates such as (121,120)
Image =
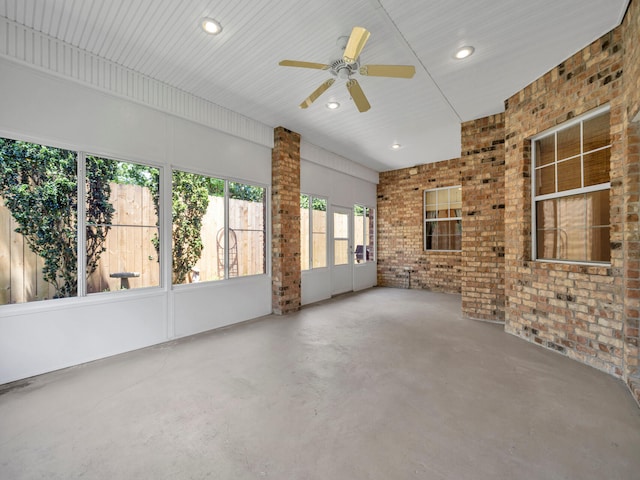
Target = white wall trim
(42,52)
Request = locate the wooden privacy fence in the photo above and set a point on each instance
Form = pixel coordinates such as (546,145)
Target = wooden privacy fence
(129,247)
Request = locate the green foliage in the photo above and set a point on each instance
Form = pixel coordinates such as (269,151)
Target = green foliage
(135,174)
(189,205)
(215,187)
(39,185)
(319,204)
(240,191)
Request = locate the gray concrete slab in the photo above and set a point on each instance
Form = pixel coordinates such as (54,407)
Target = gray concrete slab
(384,384)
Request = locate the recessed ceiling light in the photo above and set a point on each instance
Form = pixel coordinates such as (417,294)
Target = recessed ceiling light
(396,146)
(464,52)
(211,26)
(333,105)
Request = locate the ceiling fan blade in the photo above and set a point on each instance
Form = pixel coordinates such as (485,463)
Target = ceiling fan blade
(358,38)
(316,93)
(295,63)
(395,71)
(358,95)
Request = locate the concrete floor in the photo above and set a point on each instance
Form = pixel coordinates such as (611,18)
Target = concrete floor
(384,384)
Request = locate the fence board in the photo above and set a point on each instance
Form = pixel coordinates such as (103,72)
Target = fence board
(17,266)
(30,269)
(5,254)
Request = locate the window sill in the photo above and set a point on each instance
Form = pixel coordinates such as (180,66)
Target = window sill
(589,268)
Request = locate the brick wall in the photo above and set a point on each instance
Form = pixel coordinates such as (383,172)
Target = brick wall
(477,270)
(285,221)
(401,256)
(576,310)
(631,187)
(588,313)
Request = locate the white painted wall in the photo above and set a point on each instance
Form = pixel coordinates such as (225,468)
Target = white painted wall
(319,176)
(54,110)
(44,336)
(198,308)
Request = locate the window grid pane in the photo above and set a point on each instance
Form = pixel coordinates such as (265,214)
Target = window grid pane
(247,230)
(131,248)
(443,225)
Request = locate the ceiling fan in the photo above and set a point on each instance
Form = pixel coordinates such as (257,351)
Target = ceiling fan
(348,65)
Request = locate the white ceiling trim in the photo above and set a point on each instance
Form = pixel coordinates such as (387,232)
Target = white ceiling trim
(27,46)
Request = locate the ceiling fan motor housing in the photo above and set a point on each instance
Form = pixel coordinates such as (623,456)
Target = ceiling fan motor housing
(344,70)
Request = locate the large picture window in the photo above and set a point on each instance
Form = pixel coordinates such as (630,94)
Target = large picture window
(60,209)
(443,218)
(571,191)
(313,232)
(206,246)
(43,212)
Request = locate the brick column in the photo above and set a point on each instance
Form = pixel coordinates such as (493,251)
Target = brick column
(631,185)
(631,209)
(483,203)
(285,221)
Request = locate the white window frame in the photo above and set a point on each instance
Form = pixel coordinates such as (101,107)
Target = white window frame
(227,181)
(565,193)
(165,226)
(425,220)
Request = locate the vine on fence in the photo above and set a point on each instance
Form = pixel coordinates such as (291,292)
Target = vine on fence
(39,185)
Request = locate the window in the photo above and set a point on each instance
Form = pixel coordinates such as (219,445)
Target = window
(60,209)
(313,219)
(205,246)
(443,218)
(341,243)
(38,222)
(46,221)
(122,233)
(571,191)
(364,233)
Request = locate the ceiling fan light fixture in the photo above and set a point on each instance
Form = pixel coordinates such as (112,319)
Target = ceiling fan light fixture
(211,26)
(464,52)
(333,105)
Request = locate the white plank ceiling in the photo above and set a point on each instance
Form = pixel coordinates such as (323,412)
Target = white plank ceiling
(515,41)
